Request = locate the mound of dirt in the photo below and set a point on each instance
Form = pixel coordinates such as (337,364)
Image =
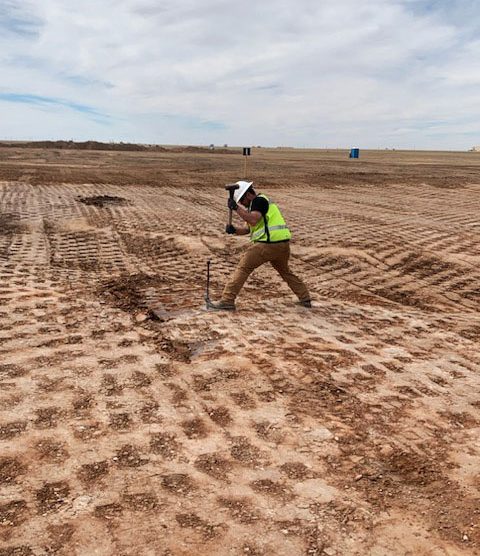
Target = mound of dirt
(191,149)
(9,223)
(99,146)
(84,145)
(128,292)
(103,200)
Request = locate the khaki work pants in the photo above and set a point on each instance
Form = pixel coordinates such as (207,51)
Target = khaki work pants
(277,254)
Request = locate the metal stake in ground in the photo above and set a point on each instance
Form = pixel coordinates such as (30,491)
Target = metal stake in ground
(207,293)
(231,190)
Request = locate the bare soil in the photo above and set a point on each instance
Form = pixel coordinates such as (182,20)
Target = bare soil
(135,422)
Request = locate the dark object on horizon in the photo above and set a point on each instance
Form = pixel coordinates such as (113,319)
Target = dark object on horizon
(246,151)
(354,153)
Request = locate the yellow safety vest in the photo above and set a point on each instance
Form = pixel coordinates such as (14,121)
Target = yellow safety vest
(271,228)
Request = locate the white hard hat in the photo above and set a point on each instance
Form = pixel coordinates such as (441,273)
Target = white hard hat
(242,189)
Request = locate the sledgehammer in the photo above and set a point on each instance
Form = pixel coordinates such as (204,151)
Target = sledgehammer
(231,190)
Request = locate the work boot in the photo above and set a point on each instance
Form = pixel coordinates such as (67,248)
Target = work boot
(221,306)
(305,303)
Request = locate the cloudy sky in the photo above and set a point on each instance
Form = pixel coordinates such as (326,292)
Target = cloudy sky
(336,73)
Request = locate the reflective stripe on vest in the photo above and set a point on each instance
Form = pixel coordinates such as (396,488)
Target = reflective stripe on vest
(271,227)
(261,232)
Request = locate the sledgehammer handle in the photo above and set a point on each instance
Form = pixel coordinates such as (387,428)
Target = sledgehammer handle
(230,212)
(231,190)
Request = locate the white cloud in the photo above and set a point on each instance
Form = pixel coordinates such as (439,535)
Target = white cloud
(273,72)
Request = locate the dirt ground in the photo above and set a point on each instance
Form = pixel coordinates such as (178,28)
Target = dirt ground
(135,422)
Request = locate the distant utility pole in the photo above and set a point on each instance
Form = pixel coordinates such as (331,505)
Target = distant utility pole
(246,154)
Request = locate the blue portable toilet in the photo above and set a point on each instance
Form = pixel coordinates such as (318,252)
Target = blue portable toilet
(354,153)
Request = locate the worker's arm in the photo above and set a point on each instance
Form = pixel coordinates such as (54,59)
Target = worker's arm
(250,218)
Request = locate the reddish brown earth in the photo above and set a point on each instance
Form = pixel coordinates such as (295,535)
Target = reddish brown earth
(135,422)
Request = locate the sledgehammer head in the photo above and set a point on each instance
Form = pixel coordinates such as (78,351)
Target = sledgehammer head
(230,187)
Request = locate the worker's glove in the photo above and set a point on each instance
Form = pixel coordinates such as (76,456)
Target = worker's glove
(232,205)
(230,229)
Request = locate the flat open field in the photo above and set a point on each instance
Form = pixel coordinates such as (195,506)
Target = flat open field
(135,422)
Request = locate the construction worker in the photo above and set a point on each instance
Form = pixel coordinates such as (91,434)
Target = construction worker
(270,244)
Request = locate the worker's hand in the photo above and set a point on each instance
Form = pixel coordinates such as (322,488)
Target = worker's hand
(230,229)
(232,205)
